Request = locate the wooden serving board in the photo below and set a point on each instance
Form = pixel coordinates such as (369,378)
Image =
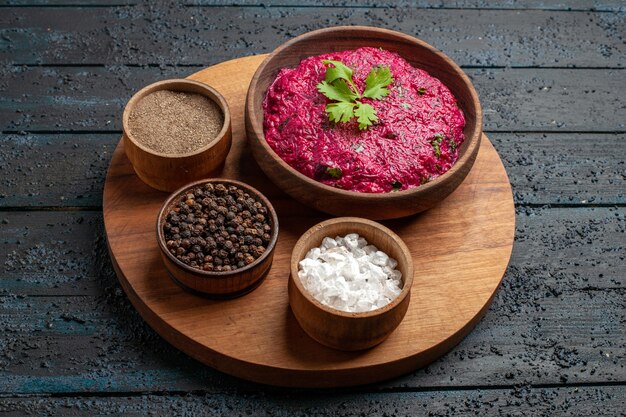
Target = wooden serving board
(461,249)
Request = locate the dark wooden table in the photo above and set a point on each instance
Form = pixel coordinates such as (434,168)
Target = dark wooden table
(552,82)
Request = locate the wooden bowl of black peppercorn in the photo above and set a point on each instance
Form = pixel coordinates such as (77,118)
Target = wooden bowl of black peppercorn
(217,237)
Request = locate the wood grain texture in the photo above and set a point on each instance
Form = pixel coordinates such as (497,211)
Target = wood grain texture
(575,5)
(281,353)
(100,344)
(145,34)
(339,329)
(68,170)
(64,3)
(520,401)
(572,5)
(553,341)
(63,253)
(91,99)
(339,202)
(68,327)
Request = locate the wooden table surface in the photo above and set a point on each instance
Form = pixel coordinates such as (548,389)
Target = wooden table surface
(551,78)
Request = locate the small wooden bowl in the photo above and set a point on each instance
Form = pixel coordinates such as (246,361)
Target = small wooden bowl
(227,284)
(339,329)
(341,202)
(167,172)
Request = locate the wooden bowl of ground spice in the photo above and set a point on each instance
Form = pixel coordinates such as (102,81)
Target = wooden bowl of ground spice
(176,132)
(217,237)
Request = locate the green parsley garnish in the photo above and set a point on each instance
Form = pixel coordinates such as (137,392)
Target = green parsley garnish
(334,172)
(397,185)
(436,144)
(421,91)
(339,87)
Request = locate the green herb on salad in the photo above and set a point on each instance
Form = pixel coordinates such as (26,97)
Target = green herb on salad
(334,172)
(436,144)
(339,87)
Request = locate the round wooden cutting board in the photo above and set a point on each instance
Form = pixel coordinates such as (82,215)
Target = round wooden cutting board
(460,248)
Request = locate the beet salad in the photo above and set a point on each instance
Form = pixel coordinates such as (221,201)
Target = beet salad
(363,120)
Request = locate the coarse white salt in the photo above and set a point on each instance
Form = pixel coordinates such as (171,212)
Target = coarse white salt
(349,274)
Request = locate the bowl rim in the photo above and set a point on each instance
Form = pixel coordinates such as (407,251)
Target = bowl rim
(215,274)
(173,84)
(406,281)
(473,140)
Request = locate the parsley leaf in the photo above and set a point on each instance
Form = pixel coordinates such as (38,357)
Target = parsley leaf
(396,186)
(338,70)
(365,114)
(339,87)
(338,92)
(334,172)
(376,81)
(340,112)
(436,143)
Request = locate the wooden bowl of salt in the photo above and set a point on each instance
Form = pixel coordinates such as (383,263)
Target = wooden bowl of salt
(345,330)
(176,132)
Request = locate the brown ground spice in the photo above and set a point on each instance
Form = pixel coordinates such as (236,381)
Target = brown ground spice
(172,122)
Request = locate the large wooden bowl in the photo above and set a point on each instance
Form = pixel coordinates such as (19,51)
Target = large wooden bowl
(341,202)
(168,172)
(338,329)
(226,284)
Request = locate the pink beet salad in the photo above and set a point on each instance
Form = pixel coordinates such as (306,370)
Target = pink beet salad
(414,137)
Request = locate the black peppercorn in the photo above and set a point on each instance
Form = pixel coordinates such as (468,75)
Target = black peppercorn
(220,189)
(217,228)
